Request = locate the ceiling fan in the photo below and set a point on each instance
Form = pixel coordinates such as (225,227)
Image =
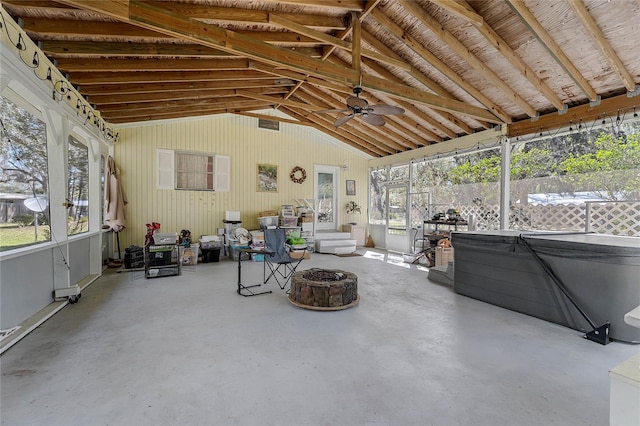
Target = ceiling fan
(371,114)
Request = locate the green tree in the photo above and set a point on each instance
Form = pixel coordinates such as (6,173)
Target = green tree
(612,171)
(23,151)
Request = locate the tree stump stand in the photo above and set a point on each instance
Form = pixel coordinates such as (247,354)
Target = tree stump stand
(324,289)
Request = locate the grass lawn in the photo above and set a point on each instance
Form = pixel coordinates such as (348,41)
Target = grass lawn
(14,236)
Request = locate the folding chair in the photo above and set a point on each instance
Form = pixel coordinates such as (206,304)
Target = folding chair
(281,265)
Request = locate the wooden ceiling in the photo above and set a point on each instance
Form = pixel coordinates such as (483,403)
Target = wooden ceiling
(455,67)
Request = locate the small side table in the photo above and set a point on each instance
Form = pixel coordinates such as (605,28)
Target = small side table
(244,288)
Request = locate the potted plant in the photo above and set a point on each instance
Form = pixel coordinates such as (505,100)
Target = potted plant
(352,208)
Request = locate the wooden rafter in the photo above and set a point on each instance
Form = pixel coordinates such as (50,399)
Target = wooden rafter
(118,98)
(323,124)
(301,29)
(252,16)
(517,62)
(470,58)
(583,113)
(96,65)
(438,64)
(128,88)
(459,9)
(347,5)
(328,50)
(86,78)
(188,29)
(612,57)
(139,60)
(520,9)
(275,118)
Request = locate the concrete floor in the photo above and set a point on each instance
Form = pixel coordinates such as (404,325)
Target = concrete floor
(189,351)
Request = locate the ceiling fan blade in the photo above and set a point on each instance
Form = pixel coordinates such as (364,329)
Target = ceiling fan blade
(373,119)
(330,110)
(385,109)
(355,102)
(340,121)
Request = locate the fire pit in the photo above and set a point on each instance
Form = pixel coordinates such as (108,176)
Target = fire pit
(324,289)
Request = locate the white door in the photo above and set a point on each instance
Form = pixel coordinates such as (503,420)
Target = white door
(397,237)
(326,195)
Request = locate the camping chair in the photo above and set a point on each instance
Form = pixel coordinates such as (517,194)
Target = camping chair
(281,265)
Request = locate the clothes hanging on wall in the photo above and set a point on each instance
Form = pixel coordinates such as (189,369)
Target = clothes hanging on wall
(114,197)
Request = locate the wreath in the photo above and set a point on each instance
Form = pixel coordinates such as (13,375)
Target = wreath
(294,174)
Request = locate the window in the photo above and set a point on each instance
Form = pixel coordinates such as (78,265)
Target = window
(588,179)
(469,183)
(378,197)
(77,188)
(24,178)
(195,171)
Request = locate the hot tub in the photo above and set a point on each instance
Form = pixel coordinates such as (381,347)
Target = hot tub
(600,272)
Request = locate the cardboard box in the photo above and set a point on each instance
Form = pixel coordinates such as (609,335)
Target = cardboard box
(297,254)
(444,256)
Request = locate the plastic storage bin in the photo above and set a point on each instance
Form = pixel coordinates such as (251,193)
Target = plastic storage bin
(170,238)
(288,221)
(269,222)
(189,255)
(211,254)
(257,257)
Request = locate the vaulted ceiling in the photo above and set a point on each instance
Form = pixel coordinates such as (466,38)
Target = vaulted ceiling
(455,67)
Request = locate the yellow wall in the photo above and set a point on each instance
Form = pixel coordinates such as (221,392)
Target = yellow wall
(239,137)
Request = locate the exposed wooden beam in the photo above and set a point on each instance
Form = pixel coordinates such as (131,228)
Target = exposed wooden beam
(517,62)
(520,9)
(168,114)
(177,105)
(342,35)
(612,57)
(188,29)
(118,98)
(108,77)
(128,88)
(461,11)
(438,64)
(96,65)
(327,127)
(277,101)
(274,118)
(253,16)
(325,38)
(465,54)
(86,29)
(347,5)
(438,125)
(69,48)
(356,46)
(583,113)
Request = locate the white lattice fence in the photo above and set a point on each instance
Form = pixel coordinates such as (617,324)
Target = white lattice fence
(486,217)
(615,218)
(548,217)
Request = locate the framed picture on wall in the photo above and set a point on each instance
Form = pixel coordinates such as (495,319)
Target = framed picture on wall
(351,187)
(267,178)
